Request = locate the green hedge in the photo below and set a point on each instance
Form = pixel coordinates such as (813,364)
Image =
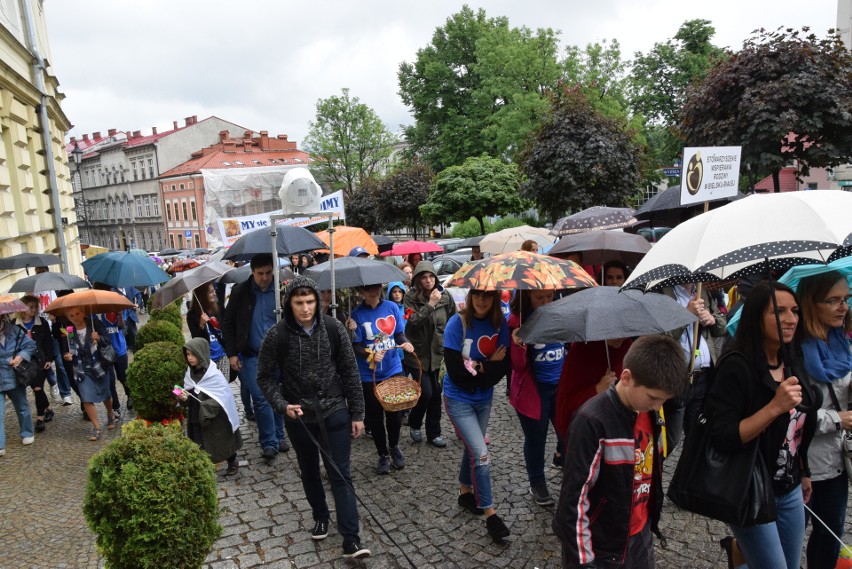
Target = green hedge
(155,370)
(151,499)
(170,313)
(159,331)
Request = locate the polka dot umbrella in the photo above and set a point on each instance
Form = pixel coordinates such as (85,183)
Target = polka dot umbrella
(593,219)
(788,229)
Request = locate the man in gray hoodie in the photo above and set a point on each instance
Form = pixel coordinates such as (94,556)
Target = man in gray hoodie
(307,372)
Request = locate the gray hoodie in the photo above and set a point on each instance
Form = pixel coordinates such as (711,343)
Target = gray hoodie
(303,371)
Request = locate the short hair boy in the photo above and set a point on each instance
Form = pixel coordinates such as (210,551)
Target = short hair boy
(612,492)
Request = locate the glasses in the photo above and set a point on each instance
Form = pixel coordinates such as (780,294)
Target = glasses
(836,301)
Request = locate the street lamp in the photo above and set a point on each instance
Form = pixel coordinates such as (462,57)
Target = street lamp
(77,155)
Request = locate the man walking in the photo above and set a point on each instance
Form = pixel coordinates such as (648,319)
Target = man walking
(249,315)
(307,372)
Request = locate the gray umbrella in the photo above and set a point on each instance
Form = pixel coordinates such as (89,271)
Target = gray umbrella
(188,281)
(353,272)
(241,274)
(603,246)
(664,207)
(48,281)
(604,313)
(23,260)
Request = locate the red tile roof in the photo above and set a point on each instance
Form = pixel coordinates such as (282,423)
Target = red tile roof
(238,155)
(787,181)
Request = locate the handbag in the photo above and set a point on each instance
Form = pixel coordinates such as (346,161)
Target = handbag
(27,371)
(845,437)
(107,352)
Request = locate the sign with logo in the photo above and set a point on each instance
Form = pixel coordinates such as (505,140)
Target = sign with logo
(188,233)
(709,173)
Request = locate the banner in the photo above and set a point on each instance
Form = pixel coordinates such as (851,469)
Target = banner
(709,173)
(232,228)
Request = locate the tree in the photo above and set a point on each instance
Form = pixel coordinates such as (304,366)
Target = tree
(480,187)
(478,88)
(580,158)
(600,73)
(362,209)
(786,96)
(348,143)
(401,194)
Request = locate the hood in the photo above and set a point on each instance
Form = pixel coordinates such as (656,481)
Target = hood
(200,348)
(299,282)
(393,285)
(423,267)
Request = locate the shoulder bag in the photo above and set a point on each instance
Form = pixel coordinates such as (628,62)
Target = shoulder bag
(107,352)
(845,437)
(732,487)
(26,372)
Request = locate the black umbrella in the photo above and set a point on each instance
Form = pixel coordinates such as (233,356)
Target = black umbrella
(352,272)
(382,242)
(169,252)
(288,241)
(241,274)
(603,246)
(593,219)
(665,207)
(44,282)
(471,241)
(24,260)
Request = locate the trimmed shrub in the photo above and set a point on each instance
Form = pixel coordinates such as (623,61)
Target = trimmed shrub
(151,377)
(159,331)
(469,228)
(151,499)
(170,313)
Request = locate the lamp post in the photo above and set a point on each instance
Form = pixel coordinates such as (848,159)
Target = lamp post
(77,155)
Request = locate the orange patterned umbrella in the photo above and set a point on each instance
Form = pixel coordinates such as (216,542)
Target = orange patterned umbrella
(521,270)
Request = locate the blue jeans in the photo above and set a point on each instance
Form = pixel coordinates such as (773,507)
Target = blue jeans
(61,374)
(471,422)
(828,501)
(778,544)
(535,433)
(339,444)
(22,409)
(270,425)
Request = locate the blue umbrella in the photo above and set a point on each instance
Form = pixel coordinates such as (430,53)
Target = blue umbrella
(124,270)
(794,276)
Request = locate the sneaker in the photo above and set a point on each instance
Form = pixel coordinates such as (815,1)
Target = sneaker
(416,435)
(541,495)
(468,502)
(27,440)
(397,458)
(283,446)
(233,468)
(353,548)
(49,415)
(383,466)
(496,528)
(54,392)
(269,453)
(66,401)
(39,426)
(320,530)
(438,442)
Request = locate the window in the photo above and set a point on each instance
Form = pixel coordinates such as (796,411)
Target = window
(194,212)
(138,207)
(183,207)
(181,186)
(151,167)
(197,240)
(147,206)
(135,172)
(172,240)
(155,201)
(110,211)
(168,211)
(142,169)
(122,175)
(173,187)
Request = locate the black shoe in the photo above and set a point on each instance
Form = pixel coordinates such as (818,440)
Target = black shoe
(496,528)
(405,415)
(39,426)
(383,466)
(557,460)
(320,530)
(415,435)
(48,415)
(541,495)
(233,468)
(397,458)
(283,446)
(129,403)
(250,417)
(368,433)
(468,502)
(269,453)
(353,548)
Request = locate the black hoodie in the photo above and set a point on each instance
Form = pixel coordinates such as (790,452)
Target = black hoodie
(304,370)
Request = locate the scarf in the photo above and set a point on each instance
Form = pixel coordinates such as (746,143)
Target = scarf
(827,361)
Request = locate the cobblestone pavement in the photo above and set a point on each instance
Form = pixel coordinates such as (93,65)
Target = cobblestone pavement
(267,520)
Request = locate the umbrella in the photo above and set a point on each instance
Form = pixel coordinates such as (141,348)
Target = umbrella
(604,313)
(156,259)
(92,301)
(142,252)
(169,252)
(471,241)
(241,274)
(521,270)
(288,241)
(511,239)
(603,246)
(788,229)
(594,218)
(347,238)
(124,270)
(350,272)
(44,282)
(666,206)
(24,260)
(383,243)
(188,281)
(413,246)
(9,304)
(183,265)
(201,251)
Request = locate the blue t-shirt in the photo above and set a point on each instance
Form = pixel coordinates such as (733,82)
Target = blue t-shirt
(478,343)
(119,343)
(376,329)
(547,360)
(217,350)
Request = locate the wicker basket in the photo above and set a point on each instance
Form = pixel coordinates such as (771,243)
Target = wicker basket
(399,392)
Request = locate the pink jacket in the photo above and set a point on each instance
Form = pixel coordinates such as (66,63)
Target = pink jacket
(523,395)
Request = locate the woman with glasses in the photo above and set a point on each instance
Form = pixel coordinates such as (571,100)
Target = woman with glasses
(476,344)
(828,360)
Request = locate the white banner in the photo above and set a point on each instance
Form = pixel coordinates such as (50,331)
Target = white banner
(232,228)
(709,173)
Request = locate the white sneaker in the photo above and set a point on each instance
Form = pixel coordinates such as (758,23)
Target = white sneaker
(27,440)
(67,400)
(54,391)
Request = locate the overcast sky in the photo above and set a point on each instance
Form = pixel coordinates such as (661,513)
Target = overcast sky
(264,64)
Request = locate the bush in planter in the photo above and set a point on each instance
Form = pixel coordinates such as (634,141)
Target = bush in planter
(170,313)
(151,499)
(159,331)
(155,370)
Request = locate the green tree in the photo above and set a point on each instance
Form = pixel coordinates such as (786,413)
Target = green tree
(480,187)
(348,142)
(600,74)
(401,194)
(580,158)
(477,88)
(362,210)
(786,96)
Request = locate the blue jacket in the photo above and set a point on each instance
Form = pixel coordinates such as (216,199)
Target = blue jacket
(9,339)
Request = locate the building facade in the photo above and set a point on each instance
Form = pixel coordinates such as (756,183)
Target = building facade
(36,206)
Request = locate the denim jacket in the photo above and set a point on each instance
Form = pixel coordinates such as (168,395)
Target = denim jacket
(9,339)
